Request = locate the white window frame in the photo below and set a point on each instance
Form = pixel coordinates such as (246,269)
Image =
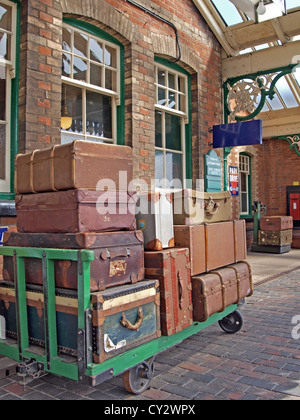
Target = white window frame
(9,69)
(85,86)
(244,168)
(166,109)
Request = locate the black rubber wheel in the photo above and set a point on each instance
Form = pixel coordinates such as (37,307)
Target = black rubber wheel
(137,379)
(232,323)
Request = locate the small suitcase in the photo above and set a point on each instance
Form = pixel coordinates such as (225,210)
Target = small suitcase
(271,237)
(124,317)
(215,291)
(172,268)
(213,245)
(75,211)
(66,316)
(155,218)
(191,207)
(80,165)
(276,222)
(119,257)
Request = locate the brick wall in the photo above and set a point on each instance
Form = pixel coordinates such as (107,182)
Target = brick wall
(143,37)
(40,74)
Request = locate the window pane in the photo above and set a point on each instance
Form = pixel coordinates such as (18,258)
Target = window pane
(161,97)
(110,79)
(159,165)
(96,51)
(5,40)
(80,44)
(181,84)
(2,94)
(96,75)
(66,65)
(66,45)
(173,166)
(172,81)
(110,57)
(2,150)
(243,182)
(5,17)
(173,132)
(98,115)
(72,96)
(244,203)
(158,129)
(172,100)
(79,69)
(161,80)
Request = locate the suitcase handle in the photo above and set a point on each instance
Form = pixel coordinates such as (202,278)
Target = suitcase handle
(211,207)
(127,324)
(107,254)
(180,289)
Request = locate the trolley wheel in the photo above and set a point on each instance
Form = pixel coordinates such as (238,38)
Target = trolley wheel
(232,323)
(137,379)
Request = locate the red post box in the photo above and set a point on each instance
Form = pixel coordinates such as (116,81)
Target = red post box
(295,206)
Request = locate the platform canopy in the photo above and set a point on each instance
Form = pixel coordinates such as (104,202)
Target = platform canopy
(261,38)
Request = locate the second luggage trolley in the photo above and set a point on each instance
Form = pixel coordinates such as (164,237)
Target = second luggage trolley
(135,364)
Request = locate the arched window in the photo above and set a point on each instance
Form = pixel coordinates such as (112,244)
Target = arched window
(92,65)
(172,124)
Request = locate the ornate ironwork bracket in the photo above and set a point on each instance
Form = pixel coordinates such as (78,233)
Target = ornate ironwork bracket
(245,96)
(294,142)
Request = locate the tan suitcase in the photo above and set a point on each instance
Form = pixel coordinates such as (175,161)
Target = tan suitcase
(191,207)
(213,245)
(215,291)
(80,165)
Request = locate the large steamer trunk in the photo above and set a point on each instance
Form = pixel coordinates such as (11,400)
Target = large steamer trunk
(79,165)
(215,291)
(213,245)
(66,316)
(172,268)
(76,211)
(124,317)
(119,257)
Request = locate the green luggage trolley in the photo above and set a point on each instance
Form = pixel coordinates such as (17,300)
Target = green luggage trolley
(136,364)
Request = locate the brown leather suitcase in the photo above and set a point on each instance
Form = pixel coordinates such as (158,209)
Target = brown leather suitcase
(215,291)
(75,211)
(80,165)
(119,257)
(172,268)
(271,237)
(124,317)
(213,245)
(276,222)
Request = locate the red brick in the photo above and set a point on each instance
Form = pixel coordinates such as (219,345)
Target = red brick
(44,50)
(45,120)
(45,68)
(44,85)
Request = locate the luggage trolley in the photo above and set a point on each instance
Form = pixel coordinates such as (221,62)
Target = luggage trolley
(136,365)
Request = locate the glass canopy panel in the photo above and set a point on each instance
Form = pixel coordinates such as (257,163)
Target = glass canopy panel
(285,92)
(228,12)
(292,4)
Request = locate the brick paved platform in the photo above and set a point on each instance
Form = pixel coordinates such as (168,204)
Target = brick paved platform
(261,362)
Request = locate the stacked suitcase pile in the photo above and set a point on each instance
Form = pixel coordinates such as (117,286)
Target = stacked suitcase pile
(70,197)
(275,234)
(197,253)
